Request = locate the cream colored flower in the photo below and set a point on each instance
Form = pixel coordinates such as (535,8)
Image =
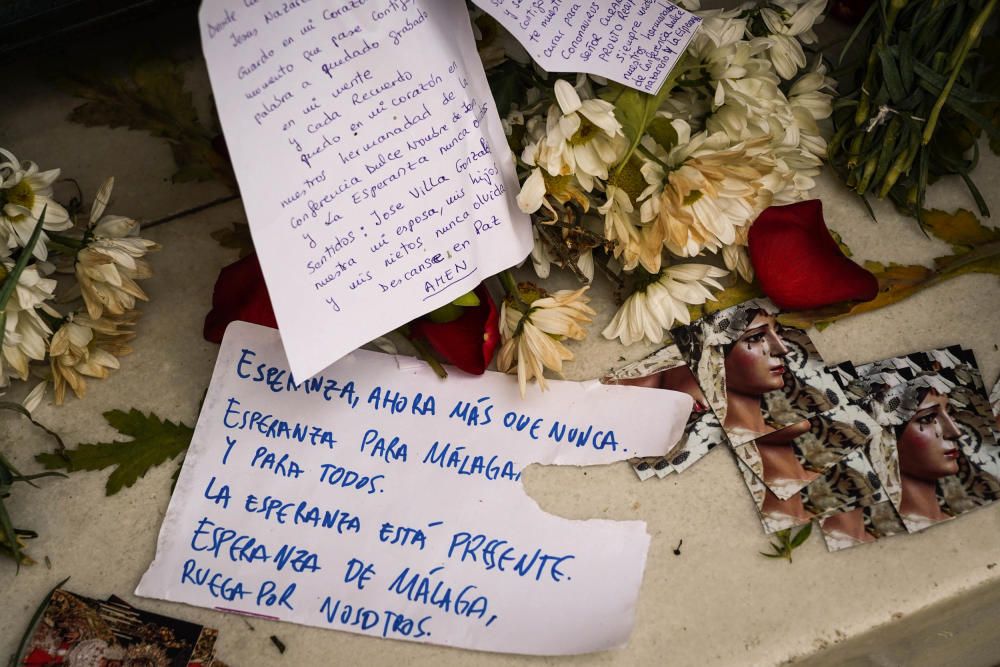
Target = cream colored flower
(736,256)
(714,189)
(531,340)
(790,23)
(656,306)
(581,137)
(25,332)
(87,347)
(24,193)
(109,265)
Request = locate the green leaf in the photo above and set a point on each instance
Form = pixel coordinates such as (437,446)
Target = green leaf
(238,238)
(154,441)
(801,536)
(508,83)
(635,110)
(153,98)
(467,300)
(662,133)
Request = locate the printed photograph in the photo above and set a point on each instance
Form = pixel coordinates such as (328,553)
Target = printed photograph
(757,375)
(850,483)
(666,369)
(75,630)
(789,459)
(944,458)
(862,525)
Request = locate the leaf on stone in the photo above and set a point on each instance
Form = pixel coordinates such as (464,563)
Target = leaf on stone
(238,238)
(962,229)
(153,442)
(152,98)
(736,293)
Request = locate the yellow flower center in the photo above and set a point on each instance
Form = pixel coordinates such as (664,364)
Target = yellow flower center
(692,197)
(630,179)
(586,132)
(21,195)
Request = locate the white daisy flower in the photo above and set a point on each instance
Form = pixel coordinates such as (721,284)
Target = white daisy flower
(581,137)
(531,340)
(790,26)
(24,193)
(25,332)
(656,306)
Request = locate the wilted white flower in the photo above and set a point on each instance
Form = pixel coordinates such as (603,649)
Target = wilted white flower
(657,305)
(531,340)
(25,332)
(109,265)
(25,192)
(86,347)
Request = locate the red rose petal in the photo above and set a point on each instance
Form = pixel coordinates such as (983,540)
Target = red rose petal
(469,341)
(240,294)
(799,264)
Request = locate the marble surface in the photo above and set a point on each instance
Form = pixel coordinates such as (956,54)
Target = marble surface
(717,603)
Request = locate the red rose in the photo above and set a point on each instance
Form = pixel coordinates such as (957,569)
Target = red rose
(798,263)
(240,294)
(467,342)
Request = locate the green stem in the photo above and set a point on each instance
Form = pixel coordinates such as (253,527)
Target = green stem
(68,241)
(425,353)
(957,60)
(649,154)
(510,287)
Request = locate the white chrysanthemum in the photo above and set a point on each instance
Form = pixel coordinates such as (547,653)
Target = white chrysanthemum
(790,25)
(532,194)
(808,91)
(531,340)
(736,256)
(713,189)
(25,332)
(581,137)
(654,308)
(24,193)
(86,347)
(109,265)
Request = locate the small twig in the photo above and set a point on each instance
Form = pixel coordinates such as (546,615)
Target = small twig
(677,549)
(190,211)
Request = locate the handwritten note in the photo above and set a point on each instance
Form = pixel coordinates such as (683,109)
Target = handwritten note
(375,498)
(372,164)
(635,43)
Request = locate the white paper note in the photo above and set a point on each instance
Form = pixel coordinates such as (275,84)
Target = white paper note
(372,164)
(635,43)
(376,498)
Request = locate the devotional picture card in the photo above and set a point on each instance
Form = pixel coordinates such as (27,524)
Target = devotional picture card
(757,375)
(789,459)
(850,483)
(861,525)
(75,630)
(941,457)
(666,369)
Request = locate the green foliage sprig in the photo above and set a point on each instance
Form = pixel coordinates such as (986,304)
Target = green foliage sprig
(917,108)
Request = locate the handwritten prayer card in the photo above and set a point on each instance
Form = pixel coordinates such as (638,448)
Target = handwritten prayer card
(376,498)
(371,161)
(633,43)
